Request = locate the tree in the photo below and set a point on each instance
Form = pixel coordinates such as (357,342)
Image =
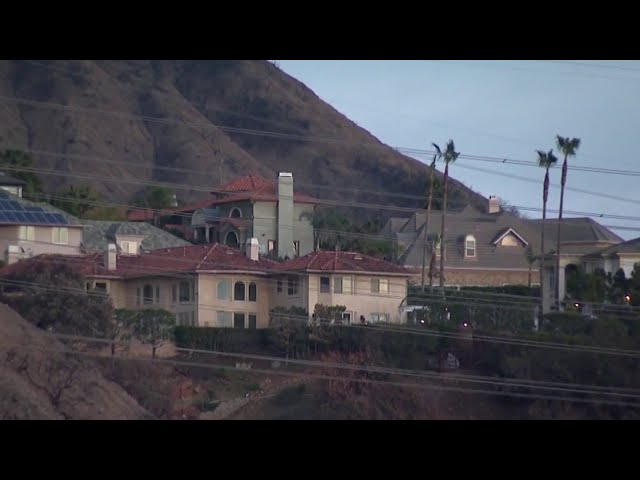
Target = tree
(157,199)
(531,259)
(123,323)
(634,285)
(75,200)
(450,155)
(53,297)
(545,160)
(22,160)
(154,327)
(432,168)
(568,147)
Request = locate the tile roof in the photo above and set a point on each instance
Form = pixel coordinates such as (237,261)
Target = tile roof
(253,187)
(327,261)
(98,234)
(140,215)
(191,259)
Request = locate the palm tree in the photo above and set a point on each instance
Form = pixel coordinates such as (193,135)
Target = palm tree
(568,147)
(545,160)
(432,168)
(531,259)
(432,262)
(450,155)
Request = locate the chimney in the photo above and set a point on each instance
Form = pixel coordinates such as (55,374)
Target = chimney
(285,215)
(111,256)
(494,204)
(252,248)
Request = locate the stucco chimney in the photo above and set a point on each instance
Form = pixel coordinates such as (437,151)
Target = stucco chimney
(111,257)
(285,215)
(494,204)
(252,248)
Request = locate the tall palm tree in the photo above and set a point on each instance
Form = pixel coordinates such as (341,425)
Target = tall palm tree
(432,169)
(449,156)
(545,160)
(568,147)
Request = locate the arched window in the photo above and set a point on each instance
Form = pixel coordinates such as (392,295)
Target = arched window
(253,292)
(470,246)
(238,291)
(147,294)
(223,290)
(231,239)
(235,213)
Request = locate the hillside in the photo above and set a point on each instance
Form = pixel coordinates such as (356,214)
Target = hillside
(95,107)
(37,383)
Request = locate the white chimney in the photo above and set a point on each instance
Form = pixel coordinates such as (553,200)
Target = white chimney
(494,204)
(252,248)
(111,257)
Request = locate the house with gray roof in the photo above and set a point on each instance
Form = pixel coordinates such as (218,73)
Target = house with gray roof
(129,237)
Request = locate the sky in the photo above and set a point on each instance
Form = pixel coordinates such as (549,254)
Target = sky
(504,109)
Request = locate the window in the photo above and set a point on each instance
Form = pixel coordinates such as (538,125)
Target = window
(379,317)
(296,248)
(238,320)
(27,233)
(60,235)
(235,213)
(470,246)
(157,294)
(238,292)
(223,290)
(224,319)
(174,293)
(379,285)
(147,294)
(271,245)
(253,321)
(253,292)
(138,296)
(184,292)
(279,286)
(325,285)
(342,285)
(552,280)
(346,317)
(130,248)
(509,241)
(186,318)
(292,285)
(101,286)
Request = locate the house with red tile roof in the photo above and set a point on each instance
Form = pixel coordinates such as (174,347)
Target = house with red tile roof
(251,206)
(371,289)
(219,286)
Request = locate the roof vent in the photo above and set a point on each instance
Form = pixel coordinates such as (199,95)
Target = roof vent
(357,258)
(229,252)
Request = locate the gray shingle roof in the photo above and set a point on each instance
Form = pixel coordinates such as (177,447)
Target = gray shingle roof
(484,227)
(630,246)
(583,229)
(98,234)
(9,180)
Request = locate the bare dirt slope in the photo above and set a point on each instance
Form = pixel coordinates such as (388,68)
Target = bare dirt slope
(38,383)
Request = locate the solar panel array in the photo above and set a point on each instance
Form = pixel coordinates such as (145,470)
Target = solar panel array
(17,213)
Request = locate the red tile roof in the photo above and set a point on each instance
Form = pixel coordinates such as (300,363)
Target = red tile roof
(195,258)
(325,261)
(139,215)
(253,187)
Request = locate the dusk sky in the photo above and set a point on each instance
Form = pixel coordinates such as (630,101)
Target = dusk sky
(501,109)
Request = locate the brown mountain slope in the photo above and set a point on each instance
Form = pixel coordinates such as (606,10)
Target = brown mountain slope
(196,102)
(37,383)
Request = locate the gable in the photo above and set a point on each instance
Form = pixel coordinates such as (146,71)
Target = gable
(509,238)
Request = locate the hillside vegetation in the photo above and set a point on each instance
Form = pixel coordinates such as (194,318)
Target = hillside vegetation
(95,112)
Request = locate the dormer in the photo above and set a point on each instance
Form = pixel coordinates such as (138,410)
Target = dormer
(509,238)
(129,244)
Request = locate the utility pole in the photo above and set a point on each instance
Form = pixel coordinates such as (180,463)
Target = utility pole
(432,167)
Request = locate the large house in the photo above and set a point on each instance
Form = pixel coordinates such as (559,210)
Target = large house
(252,207)
(482,248)
(220,286)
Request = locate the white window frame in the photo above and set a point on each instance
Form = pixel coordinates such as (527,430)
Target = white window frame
(382,285)
(129,247)
(343,290)
(57,235)
(27,233)
(470,240)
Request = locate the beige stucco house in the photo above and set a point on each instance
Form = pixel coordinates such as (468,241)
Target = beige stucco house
(219,286)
